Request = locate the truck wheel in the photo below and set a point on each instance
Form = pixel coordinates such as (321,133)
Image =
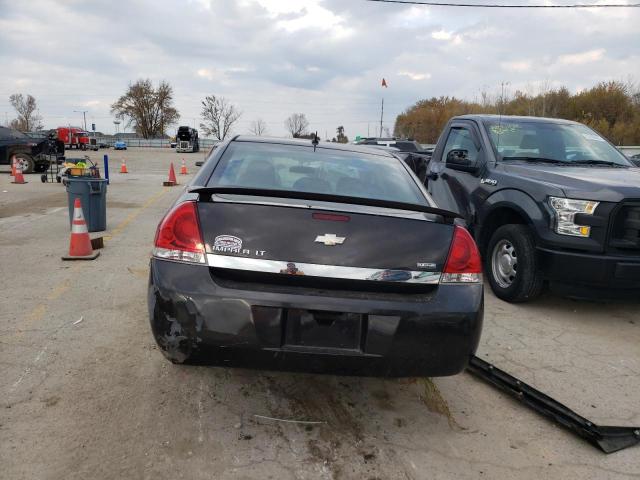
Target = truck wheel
(25,161)
(512,265)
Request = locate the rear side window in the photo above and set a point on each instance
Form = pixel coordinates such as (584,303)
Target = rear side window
(301,169)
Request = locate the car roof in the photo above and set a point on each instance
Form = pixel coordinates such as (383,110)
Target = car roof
(487,117)
(307,143)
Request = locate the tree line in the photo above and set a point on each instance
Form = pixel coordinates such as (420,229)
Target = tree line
(610,108)
(149,110)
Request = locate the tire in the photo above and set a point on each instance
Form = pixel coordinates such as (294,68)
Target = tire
(27,162)
(511,264)
(41,167)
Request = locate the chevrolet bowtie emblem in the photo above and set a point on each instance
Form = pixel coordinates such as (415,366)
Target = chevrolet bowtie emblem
(330,239)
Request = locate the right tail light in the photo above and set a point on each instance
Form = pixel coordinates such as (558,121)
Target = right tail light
(463,263)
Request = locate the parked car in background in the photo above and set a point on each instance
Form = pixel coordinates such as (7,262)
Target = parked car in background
(120,145)
(403,145)
(285,254)
(547,200)
(31,150)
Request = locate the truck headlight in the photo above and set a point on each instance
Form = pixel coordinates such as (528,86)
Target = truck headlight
(565,210)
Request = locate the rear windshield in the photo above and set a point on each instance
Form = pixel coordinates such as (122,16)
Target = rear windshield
(300,169)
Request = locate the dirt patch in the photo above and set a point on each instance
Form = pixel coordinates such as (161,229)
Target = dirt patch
(139,272)
(436,403)
(51,401)
(34,205)
(383,400)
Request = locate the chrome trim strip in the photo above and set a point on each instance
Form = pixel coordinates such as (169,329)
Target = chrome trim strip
(329,271)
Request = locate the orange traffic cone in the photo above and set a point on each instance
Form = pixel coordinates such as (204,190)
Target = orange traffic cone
(123,167)
(18,178)
(183,169)
(172,177)
(13,166)
(80,244)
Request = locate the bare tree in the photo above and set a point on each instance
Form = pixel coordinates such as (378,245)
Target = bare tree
(219,116)
(341,137)
(297,124)
(258,127)
(150,110)
(28,118)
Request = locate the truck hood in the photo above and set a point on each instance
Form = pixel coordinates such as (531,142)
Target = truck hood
(592,183)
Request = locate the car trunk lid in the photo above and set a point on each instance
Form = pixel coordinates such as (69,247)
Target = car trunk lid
(325,240)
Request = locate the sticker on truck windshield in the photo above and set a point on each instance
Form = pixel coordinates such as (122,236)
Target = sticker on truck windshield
(227,244)
(591,136)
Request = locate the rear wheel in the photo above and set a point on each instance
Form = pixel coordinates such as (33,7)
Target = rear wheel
(25,161)
(512,265)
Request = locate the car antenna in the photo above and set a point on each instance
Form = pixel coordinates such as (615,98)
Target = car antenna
(315,141)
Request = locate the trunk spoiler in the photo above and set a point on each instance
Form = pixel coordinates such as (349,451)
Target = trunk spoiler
(326,197)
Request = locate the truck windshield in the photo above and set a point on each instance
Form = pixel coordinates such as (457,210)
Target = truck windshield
(551,142)
(301,169)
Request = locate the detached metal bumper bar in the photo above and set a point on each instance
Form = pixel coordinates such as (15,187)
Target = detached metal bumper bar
(608,439)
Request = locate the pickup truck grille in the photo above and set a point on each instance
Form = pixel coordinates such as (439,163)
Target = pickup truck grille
(626,228)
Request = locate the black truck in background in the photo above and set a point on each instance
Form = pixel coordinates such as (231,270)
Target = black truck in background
(547,200)
(32,152)
(187,140)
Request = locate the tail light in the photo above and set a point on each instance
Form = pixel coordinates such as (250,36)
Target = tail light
(179,237)
(463,263)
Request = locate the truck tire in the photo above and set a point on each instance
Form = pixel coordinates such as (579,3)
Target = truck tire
(511,264)
(26,162)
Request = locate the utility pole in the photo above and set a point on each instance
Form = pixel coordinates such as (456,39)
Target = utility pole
(381,115)
(84,116)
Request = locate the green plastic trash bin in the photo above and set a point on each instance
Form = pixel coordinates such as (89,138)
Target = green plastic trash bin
(92,193)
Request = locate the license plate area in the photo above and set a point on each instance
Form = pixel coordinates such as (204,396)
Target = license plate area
(323,329)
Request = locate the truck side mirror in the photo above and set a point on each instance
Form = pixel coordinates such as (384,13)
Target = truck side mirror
(459,160)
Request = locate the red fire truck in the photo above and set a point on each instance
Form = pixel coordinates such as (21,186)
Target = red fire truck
(73,137)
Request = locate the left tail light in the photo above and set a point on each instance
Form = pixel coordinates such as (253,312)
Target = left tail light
(179,237)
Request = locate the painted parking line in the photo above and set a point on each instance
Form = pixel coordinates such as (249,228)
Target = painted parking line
(133,215)
(38,312)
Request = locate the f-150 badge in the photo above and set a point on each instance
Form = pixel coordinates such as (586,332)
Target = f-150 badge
(489,181)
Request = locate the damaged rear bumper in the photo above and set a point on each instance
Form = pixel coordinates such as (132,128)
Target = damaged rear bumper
(196,319)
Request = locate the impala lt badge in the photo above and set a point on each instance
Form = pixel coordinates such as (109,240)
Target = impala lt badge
(227,244)
(330,239)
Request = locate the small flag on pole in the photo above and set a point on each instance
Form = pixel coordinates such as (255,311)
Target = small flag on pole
(384,83)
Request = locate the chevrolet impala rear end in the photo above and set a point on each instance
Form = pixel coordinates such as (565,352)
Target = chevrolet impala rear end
(298,256)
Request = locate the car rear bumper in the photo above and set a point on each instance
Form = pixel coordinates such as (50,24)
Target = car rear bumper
(193,316)
(605,272)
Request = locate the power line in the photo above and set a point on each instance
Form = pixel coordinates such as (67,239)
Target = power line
(497,5)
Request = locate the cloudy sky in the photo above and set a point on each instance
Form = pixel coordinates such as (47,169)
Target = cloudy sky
(325,58)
